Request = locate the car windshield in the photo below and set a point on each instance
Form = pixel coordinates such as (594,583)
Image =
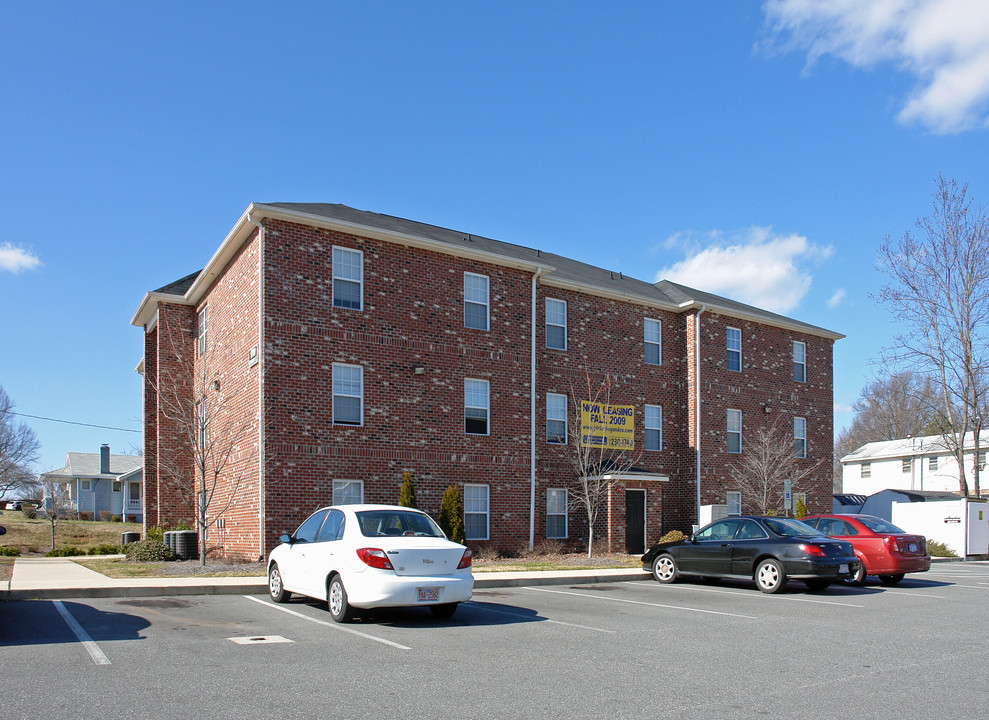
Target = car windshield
(878,525)
(789,528)
(374,523)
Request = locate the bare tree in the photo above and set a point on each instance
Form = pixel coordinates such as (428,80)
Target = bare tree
(207,471)
(56,503)
(596,466)
(18,451)
(938,291)
(768,461)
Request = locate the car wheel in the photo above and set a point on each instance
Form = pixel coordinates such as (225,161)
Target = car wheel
(818,584)
(336,601)
(664,568)
(769,576)
(443,611)
(890,579)
(858,578)
(275,588)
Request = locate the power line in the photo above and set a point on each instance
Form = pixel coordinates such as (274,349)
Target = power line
(72,422)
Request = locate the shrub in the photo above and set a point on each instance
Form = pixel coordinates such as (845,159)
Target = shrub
(85,515)
(800,509)
(105,549)
(29,511)
(66,551)
(672,536)
(407,493)
(132,518)
(939,549)
(543,547)
(155,532)
(114,518)
(104,516)
(148,550)
(9,551)
(451,519)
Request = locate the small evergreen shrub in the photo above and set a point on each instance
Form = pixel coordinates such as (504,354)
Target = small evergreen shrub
(407,493)
(800,509)
(66,551)
(451,519)
(939,549)
(672,536)
(148,550)
(9,551)
(114,518)
(105,549)
(155,532)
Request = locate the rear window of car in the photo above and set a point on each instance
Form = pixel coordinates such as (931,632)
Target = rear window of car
(878,525)
(789,528)
(376,523)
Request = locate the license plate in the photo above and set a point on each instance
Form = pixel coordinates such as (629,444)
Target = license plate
(843,568)
(912,547)
(428,594)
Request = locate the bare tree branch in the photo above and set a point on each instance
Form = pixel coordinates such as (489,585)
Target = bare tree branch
(768,461)
(18,451)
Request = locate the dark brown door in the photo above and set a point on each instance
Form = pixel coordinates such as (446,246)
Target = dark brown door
(635,521)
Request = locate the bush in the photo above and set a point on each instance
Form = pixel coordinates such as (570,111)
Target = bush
(672,536)
(407,493)
(800,509)
(29,511)
(132,518)
(155,532)
(105,549)
(114,518)
(85,515)
(9,551)
(104,516)
(66,551)
(939,549)
(451,519)
(543,547)
(148,550)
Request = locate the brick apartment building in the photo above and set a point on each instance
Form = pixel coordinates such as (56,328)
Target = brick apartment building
(338,349)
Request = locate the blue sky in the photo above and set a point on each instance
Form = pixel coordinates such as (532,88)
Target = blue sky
(760,150)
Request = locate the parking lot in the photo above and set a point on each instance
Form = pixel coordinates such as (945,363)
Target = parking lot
(622,650)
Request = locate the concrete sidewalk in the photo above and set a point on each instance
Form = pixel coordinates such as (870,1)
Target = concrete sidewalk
(52,578)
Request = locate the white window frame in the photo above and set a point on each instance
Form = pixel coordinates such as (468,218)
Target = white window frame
(733,499)
(652,338)
(553,414)
(654,424)
(800,437)
(471,297)
(202,425)
(134,503)
(343,252)
(201,327)
(549,324)
(801,362)
(932,462)
(906,465)
(471,394)
(553,509)
(731,429)
(865,470)
(343,492)
(470,508)
(346,392)
(730,349)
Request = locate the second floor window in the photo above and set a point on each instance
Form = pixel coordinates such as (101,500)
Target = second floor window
(799,362)
(476,407)
(556,418)
(654,427)
(348,394)
(201,332)
(652,337)
(800,437)
(734,342)
(556,324)
(348,278)
(866,470)
(734,431)
(475,301)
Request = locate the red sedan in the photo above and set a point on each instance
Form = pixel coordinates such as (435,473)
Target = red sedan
(883,549)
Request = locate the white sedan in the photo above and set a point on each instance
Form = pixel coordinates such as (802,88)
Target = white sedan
(371,556)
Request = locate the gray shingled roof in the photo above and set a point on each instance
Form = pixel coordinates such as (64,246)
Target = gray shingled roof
(912,447)
(179,287)
(87,465)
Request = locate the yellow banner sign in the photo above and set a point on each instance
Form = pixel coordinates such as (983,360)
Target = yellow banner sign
(611,426)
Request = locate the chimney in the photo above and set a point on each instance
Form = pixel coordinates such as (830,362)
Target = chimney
(104,459)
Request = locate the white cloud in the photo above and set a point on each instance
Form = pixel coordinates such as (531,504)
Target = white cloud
(758,267)
(944,44)
(836,298)
(14,259)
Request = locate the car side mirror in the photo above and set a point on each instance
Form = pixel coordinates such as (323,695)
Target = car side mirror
(287,539)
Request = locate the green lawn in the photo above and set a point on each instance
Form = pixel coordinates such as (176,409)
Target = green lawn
(34,537)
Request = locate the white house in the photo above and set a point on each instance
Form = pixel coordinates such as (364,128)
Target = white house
(919,463)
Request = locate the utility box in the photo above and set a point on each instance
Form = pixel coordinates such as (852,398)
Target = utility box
(962,525)
(710,513)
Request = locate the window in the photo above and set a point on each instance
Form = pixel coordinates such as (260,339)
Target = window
(799,361)
(348,395)
(734,342)
(800,437)
(556,324)
(133,495)
(308,530)
(475,301)
(556,514)
(652,338)
(476,406)
(476,512)
(116,486)
(905,465)
(202,423)
(734,431)
(932,463)
(348,278)
(86,485)
(866,470)
(556,418)
(332,528)
(750,530)
(348,492)
(654,427)
(734,500)
(201,332)
(982,459)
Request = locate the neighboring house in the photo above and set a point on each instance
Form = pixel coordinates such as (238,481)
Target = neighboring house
(919,463)
(355,346)
(102,483)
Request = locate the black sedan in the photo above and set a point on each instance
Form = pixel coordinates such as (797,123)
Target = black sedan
(768,550)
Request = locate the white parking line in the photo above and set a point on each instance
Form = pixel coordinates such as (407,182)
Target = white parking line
(751,594)
(529,617)
(333,625)
(87,642)
(639,602)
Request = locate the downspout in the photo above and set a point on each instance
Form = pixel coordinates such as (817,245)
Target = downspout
(532,418)
(257,224)
(697,393)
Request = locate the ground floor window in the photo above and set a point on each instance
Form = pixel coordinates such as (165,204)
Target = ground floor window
(348,492)
(133,496)
(476,524)
(556,514)
(734,500)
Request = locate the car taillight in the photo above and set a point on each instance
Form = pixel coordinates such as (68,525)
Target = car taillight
(466,560)
(893,544)
(814,550)
(373,557)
